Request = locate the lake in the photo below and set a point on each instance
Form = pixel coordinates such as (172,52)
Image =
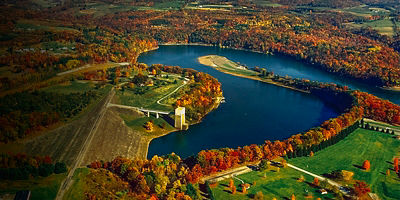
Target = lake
(253,111)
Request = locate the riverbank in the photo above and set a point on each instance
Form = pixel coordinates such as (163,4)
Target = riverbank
(212,61)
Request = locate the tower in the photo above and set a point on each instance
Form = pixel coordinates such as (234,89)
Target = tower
(180,118)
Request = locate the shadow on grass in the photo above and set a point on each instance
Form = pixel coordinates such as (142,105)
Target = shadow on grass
(358,166)
(273,192)
(329,176)
(169,120)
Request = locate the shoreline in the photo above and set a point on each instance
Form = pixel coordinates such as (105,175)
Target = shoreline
(208,62)
(150,138)
(393,88)
(210,45)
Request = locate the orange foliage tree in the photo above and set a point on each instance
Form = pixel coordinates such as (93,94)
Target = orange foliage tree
(366,165)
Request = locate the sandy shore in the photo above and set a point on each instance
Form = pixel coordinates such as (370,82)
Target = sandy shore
(209,61)
(394,88)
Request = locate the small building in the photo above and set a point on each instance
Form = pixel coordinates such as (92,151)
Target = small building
(180,122)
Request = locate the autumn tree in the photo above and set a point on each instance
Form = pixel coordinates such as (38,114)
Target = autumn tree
(361,188)
(244,189)
(301,178)
(259,196)
(231,183)
(149,125)
(316,181)
(366,165)
(233,189)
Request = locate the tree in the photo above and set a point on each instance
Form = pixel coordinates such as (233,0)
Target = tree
(259,196)
(244,189)
(234,190)
(316,181)
(366,165)
(192,191)
(396,163)
(311,154)
(149,125)
(301,178)
(60,168)
(293,197)
(361,188)
(231,183)
(388,172)
(264,165)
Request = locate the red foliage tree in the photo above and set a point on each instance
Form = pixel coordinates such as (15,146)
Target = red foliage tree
(361,188)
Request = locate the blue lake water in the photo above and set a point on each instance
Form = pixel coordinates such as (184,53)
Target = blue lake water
(253,111)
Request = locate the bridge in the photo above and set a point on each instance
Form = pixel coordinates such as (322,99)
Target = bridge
(144,110)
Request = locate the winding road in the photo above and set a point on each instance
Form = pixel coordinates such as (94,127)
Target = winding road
(185,82)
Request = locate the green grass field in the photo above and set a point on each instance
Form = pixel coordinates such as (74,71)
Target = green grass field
(137,123)
(41,187)
(280,185)
(149,98)
(71,87)
(76,191)
(350,153)
(384,26)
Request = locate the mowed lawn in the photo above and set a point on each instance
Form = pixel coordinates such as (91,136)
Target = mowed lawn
(150,96)
(350,153)
(280,185)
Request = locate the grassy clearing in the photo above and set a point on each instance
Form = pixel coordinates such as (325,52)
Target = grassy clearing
(384,26)
(150,96)
(280,185)
(350,153)
(71,87)
(76,191)
(41,188)
(137,123)
(365,11)
(267,3)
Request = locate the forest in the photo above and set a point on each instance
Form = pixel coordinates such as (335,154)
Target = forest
(23,113)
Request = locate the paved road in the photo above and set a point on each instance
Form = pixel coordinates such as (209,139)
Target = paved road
(314,175)
(87,66)
(136,108)
(382,125)
(184,83)
(78,161)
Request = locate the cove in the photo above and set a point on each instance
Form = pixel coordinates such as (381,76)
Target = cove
(253,111)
